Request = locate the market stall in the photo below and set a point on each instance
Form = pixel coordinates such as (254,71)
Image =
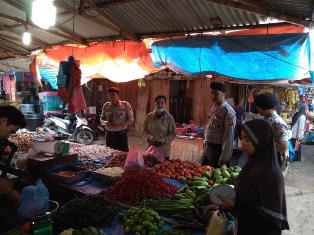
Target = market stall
(114,192)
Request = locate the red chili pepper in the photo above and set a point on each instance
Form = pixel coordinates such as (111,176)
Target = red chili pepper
(135,185)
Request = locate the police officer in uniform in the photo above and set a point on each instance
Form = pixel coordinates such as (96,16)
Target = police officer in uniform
(219,134)
(116,116)
(266,105)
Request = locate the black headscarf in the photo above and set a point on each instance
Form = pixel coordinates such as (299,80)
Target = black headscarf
(298,114)
(261,180)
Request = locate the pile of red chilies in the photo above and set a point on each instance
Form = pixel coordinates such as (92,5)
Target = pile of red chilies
(136,185)
(116,160)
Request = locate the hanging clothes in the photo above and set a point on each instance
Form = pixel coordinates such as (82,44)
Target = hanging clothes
(76,96)
(9,86)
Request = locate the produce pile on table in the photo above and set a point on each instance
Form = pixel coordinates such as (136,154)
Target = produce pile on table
(23,141)
(84,212)
(194,193)
(87,231)
(116,160)
(110,171)
(225,175)
(93,152)
(142,221)
(182,170)
(136,185)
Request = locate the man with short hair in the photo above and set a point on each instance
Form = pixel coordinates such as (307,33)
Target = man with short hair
(266,105)
(116,116)
(219,134)
(11,120)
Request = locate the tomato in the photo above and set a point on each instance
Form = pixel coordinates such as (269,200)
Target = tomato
(211,182)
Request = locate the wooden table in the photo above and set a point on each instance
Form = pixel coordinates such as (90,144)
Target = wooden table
(187,149)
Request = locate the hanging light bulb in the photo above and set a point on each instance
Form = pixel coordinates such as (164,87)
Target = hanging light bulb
(26,37)
(44,13)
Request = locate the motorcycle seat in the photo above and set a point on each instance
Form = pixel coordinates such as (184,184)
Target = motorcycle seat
(64,120)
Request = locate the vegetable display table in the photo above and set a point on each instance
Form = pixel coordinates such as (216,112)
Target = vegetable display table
(187,149)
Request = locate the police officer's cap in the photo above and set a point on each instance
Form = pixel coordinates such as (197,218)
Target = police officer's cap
(218,86)
(114,89)
(266,101)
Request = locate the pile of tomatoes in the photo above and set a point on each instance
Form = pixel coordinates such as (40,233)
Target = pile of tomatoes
(182,170)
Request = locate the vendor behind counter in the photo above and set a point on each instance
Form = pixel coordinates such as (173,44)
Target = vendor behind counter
(16,203)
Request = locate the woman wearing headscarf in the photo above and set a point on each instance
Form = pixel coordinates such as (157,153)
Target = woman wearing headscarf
(298,125)
(260,205)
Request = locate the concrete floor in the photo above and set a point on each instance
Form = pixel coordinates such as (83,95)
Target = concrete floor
(300,194)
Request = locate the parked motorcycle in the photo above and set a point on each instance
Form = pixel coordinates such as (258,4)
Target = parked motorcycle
(70,125)
(93,121)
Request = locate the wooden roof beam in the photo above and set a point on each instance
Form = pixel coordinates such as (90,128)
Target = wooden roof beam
(213,29)
(34,39)
(51,31)
(263,11)
(8,42)
(65,6)
(114,3)
(25,8)
(123,30)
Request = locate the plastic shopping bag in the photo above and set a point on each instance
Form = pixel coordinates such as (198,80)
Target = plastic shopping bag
(296,145)
(134,159)
(217,223)
(35,201)
(156,152)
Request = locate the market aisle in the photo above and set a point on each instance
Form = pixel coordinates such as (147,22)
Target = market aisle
(300,194)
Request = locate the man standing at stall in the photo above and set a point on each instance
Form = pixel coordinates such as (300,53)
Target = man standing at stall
(266,104)
(116,116)
(219,134)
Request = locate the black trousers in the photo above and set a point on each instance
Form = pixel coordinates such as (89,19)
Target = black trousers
(211,154)
(117,140)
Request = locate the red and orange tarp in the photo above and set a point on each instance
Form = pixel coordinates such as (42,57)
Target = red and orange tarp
(119,61)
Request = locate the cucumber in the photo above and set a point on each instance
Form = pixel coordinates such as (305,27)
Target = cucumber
(207,174)
(193,184)
(195,178)
(180,196)
(225,173)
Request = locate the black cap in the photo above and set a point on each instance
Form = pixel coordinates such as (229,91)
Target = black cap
(266,101)
(114,89)
(218,86)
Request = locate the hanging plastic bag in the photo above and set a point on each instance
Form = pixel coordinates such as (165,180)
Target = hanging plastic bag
(156,152)
(35,201)
(217,223)
(134,159)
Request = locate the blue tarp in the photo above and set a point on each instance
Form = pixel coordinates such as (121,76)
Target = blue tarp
(50,75)
(253,57)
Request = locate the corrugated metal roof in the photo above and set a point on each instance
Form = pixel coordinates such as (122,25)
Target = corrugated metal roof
(139,17)
(300,8)
(151,16)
